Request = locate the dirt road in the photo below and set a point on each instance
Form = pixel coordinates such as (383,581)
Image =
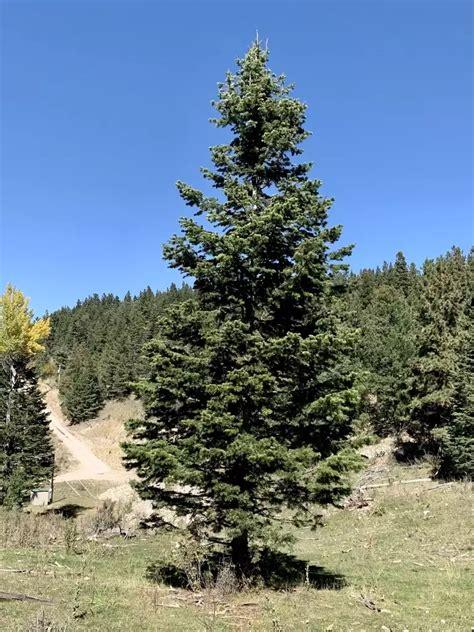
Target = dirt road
(88,466)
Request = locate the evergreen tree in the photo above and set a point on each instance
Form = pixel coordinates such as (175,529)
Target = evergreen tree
(26,455)
(456,439)
(441,401)
(383,305)
(79,388)
(249,405)
(401,274)
(115,368)
(386,351)
(26,458)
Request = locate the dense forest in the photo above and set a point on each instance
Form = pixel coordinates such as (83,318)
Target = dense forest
(413,352)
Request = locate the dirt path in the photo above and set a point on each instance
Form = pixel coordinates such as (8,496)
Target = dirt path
(87,466)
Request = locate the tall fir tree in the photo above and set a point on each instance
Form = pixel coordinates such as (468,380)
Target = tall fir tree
(115,368)
(26,454)
(400,274)
(385,353)
(441,397)
(249,405)
(79,388)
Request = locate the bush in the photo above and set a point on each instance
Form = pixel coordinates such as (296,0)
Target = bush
(192,566)
(111,515)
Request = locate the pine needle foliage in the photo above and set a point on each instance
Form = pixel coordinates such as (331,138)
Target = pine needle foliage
(26,455)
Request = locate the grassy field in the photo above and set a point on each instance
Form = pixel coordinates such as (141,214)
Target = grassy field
(405,560)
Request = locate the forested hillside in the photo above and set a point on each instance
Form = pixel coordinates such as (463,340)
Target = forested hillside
(95,348)
(413,354)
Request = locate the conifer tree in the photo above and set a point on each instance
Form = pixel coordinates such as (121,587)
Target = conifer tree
(26,454)
(115,368)
(456,439)
(401,274)
(249,405)
(80,392)
(386,351)
(441,398)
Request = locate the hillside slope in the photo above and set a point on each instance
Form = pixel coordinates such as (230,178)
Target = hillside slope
(91,451)
(402,560)
(105,433)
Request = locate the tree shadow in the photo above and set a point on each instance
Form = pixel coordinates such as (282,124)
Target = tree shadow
(282,571)
(68,510)
(407,452)
(169,574)
(273,569)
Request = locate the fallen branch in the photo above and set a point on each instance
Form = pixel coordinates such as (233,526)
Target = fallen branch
(4,596)
(433,489)
(368,603)
(402,482)
(27,571)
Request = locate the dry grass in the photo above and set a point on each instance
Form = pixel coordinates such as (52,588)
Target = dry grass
(406,557)
(106,432)
(63,461)
(103,434)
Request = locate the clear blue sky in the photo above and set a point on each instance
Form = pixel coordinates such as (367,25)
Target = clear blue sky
(106,104)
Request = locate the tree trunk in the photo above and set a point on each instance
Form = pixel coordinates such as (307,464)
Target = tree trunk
(241,555)
(52,479)
(10,393)
(8,415)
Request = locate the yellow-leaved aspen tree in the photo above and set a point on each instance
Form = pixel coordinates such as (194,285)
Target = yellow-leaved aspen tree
(26,446)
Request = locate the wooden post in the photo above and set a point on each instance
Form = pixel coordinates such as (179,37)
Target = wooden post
(52,479)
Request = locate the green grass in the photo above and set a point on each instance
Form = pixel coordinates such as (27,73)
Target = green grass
(408,555)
